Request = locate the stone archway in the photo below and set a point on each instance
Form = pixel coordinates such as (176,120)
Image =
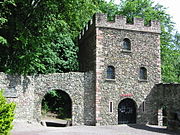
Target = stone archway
(127,111)
(57,104)
(74,84)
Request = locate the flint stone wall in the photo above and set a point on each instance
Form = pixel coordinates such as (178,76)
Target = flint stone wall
(144,53)
(107,46)
(164,96)
(28,92)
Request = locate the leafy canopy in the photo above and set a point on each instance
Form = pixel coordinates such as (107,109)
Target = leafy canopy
(42,38)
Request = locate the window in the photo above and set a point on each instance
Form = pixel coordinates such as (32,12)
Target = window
(143,73)
(143,106)
(127,44)
(111,107)
(110,72)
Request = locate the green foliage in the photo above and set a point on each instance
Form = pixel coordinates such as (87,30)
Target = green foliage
(57,102)
(41,39)
(3,40)
(6,115)
(176,41)
(3,14)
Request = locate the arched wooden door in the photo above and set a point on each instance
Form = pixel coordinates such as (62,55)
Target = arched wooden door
(127,111)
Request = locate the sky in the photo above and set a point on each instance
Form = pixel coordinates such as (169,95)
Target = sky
(173,8)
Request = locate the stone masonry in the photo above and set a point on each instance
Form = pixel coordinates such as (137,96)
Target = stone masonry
(96,99)
(164,96)
(103,41)
(28,92)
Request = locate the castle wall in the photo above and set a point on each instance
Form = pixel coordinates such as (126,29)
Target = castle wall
(28,92)
(164,96)
(19,89)
(100,46)
(145,52)
(87,49)
(120,22)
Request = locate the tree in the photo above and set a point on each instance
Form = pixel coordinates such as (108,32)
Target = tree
(41,39)
(176,40)
(176,59)
(3,19)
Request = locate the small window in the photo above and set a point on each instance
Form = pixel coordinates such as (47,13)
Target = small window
(110,72)
(143,73)
(111,107)
(143,106)
(127,44)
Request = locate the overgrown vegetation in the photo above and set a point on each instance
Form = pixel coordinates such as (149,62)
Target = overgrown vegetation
(57,104)
(39,36)
(6,115)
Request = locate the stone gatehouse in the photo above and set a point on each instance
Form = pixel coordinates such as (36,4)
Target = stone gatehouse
(120,68)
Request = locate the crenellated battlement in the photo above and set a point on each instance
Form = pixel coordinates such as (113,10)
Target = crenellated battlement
(101,20)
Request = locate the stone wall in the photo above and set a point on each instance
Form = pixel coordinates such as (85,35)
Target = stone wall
(101,44)
(164,96)
(20,90)
(145,52)
(28,92)
(87,49)
(120,22)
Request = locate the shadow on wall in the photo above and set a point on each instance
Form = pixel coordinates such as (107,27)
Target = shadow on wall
(152,129)
(15,80)
(13,83)
(163,97)
(89,99)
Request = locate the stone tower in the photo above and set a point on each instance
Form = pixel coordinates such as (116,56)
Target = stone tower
(125,60)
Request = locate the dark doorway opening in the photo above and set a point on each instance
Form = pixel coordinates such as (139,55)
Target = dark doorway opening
(164,114)
(127,112)
(57,108)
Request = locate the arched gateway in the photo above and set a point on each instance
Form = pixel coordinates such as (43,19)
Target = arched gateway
(57,104)
(74,85)
(127,111)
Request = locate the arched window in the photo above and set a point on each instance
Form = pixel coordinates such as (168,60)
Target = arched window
(126,44)
(143,73)
(110,72)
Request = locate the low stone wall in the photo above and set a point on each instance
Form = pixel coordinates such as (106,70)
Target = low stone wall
(28,91)
(19,89)
(164,97)
(169,96)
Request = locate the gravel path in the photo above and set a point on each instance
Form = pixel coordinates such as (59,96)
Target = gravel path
(92,130)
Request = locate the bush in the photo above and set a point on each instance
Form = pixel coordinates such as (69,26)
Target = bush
(6,115)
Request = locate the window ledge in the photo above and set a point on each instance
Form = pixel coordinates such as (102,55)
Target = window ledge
(110,80)
(143,80)
(126,51)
